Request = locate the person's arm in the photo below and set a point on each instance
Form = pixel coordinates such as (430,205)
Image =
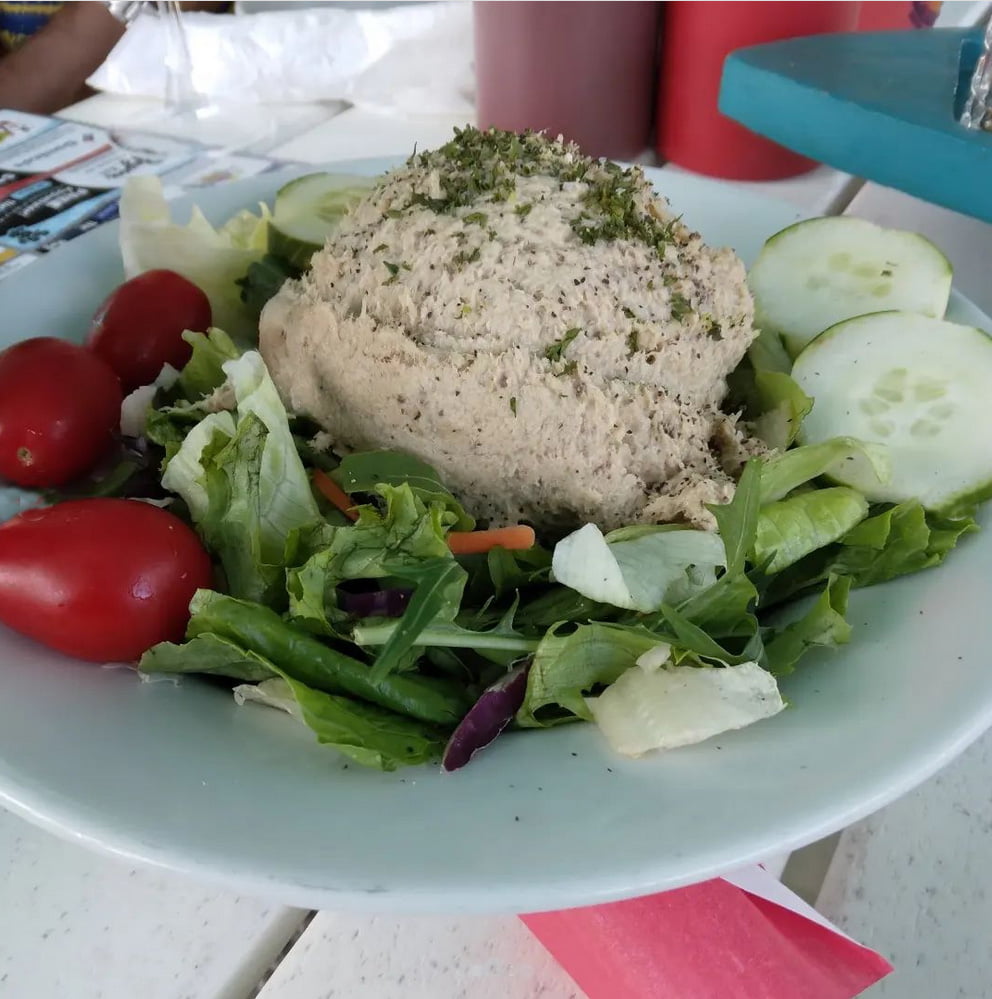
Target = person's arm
(49,71)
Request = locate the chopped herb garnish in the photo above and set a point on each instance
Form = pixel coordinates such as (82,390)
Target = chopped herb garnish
(570,368)
(629,313)
(381,247)
(466,310)
(556,351)
(478,166)
(393,269)
(479,218)
(887,272)
(394,213)
(467,257)
(714,330)
(651,285)
(633,344)
(680,306)
(513,404)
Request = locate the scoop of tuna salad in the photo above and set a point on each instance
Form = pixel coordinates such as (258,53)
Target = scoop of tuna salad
(536,324)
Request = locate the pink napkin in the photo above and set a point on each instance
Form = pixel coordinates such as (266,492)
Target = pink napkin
(740,937)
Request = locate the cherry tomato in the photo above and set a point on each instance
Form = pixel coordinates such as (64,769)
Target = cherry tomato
(100,579)
(139,327)
(60,404)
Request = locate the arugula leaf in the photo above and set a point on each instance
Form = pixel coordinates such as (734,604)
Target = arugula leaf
(784,472)
(509,571)
(721,608)
(791,528)
(692,638)
(440,583)
(567,667)
(824,624)
(448,635)
(737,521)
(365,471)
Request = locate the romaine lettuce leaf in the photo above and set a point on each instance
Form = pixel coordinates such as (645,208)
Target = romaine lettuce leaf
(791,528)
(672,706)
(245,485)
(637,568)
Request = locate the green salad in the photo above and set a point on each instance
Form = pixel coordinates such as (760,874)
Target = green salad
(357,594)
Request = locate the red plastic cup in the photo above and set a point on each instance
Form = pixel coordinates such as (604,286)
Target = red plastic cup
(696,38)
(582,70)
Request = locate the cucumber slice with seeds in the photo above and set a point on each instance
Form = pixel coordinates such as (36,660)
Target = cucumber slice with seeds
(818,273)
(920,387)
(308,209)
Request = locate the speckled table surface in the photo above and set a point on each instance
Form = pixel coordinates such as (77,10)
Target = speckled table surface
(909,881)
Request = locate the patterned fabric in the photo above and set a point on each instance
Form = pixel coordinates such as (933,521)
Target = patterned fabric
(18,21)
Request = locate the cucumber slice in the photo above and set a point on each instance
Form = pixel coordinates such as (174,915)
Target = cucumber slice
(818,273)
(922,388)
(308,209)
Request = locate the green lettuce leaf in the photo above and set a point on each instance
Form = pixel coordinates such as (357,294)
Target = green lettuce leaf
(395,543)
(566,668)
(212,258)
(824,624)
(245,486)
(893,542)
(209,654)
(782,406)
(364,472)
(204,371)
(791,528)
(369,735)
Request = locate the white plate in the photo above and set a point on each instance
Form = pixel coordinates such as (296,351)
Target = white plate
(181,777)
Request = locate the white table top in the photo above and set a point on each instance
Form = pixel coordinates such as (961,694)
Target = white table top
(74,925)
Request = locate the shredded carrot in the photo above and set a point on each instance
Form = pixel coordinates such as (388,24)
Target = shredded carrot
(517,538)
(334,494)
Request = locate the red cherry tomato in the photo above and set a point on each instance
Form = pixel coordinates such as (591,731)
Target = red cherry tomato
(139,327)
(100,579)
(59,407)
